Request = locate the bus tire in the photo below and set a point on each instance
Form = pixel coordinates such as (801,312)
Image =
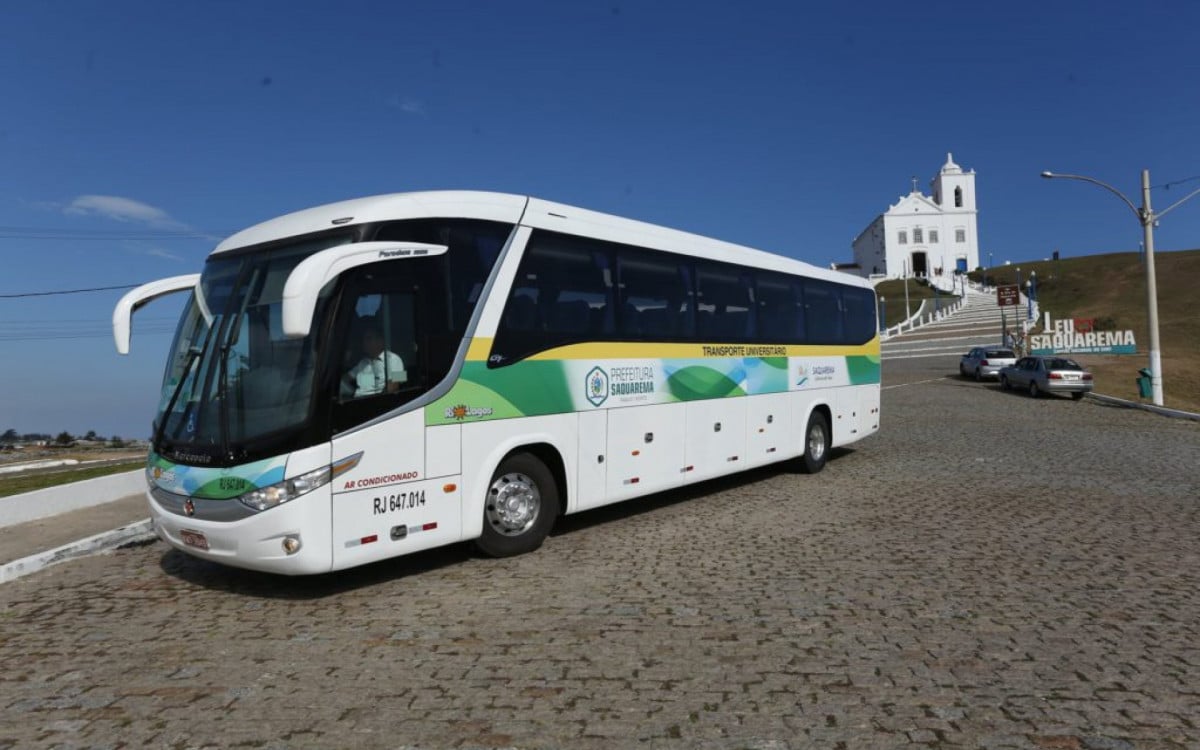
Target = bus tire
(520,507)
(816,443)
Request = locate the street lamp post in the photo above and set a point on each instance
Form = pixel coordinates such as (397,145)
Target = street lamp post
(1147,218)
(882,313)
(1017,315)
(1032,295)
(1028,299)
(907,308)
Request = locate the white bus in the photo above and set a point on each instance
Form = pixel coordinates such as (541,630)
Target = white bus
(379,376)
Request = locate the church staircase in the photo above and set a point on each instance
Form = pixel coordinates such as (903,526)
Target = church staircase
(979,322)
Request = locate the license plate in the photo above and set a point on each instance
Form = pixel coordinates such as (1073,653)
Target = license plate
(1070,377)
(194,539)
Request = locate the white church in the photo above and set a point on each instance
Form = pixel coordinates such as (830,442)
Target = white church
(924,236)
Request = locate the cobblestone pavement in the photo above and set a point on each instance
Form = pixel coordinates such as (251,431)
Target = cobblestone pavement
(989,571)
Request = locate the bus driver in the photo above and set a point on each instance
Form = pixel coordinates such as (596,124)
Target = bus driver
(377,371)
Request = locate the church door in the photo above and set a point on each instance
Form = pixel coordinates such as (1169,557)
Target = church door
(919,265)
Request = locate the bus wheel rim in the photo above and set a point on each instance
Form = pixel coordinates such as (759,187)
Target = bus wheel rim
(816,442)
(513,503)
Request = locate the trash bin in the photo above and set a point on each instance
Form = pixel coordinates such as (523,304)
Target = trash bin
(1143,383)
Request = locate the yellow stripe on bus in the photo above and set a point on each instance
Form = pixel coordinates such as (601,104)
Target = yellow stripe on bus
(481,348)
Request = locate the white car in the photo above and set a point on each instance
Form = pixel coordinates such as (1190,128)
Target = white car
(985,362)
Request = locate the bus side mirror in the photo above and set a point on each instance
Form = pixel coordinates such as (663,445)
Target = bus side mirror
(306,280)
(122,317)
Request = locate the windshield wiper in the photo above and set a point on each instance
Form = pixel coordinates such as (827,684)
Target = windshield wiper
(193,354)
(233,335)
(223,394)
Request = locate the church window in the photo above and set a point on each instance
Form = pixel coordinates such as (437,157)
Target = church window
(958,197)
(903,240)
(918,235)
(933,236)
(960,235)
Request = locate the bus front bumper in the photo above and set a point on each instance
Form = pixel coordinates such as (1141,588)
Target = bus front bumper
(292,538)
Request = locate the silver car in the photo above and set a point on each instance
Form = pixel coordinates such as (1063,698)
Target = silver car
(1047,375)
(985,362)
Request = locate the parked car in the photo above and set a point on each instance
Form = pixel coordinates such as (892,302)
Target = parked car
(1047,375)
(985,362)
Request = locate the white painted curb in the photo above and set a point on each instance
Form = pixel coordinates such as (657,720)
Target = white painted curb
(135,532)
(1176,413)
(51,501)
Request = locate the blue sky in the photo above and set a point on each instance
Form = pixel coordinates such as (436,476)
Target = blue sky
(135,134)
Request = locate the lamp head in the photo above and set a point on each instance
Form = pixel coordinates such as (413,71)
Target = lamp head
(1047,175)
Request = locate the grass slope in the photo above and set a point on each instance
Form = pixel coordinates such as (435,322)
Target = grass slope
(1112,289)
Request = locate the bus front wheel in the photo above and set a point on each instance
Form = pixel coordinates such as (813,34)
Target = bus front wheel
(520,507)
(816,443)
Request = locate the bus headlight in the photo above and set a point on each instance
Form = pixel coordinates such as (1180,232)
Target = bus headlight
(289,489)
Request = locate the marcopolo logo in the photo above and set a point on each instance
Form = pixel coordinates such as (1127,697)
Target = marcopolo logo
(596,386)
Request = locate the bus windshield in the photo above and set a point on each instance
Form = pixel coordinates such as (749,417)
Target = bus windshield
(232,376)
(236,388)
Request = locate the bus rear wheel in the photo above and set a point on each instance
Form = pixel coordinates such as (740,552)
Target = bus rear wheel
(816,443)
(520,507)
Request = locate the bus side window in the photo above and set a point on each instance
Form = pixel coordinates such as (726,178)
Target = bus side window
(474,246)
(521,312)
(572,316)
(655,295)
(777,298)
(859,306)
(562,294)
(725,293)
(823,312)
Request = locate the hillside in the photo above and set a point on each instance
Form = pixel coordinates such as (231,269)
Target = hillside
(1112,289)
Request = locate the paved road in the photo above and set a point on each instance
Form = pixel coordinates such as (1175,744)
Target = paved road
(934,587)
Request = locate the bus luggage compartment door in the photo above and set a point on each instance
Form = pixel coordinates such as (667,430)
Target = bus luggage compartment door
(768,429)
(645,449)
(591,480)
(716,437)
